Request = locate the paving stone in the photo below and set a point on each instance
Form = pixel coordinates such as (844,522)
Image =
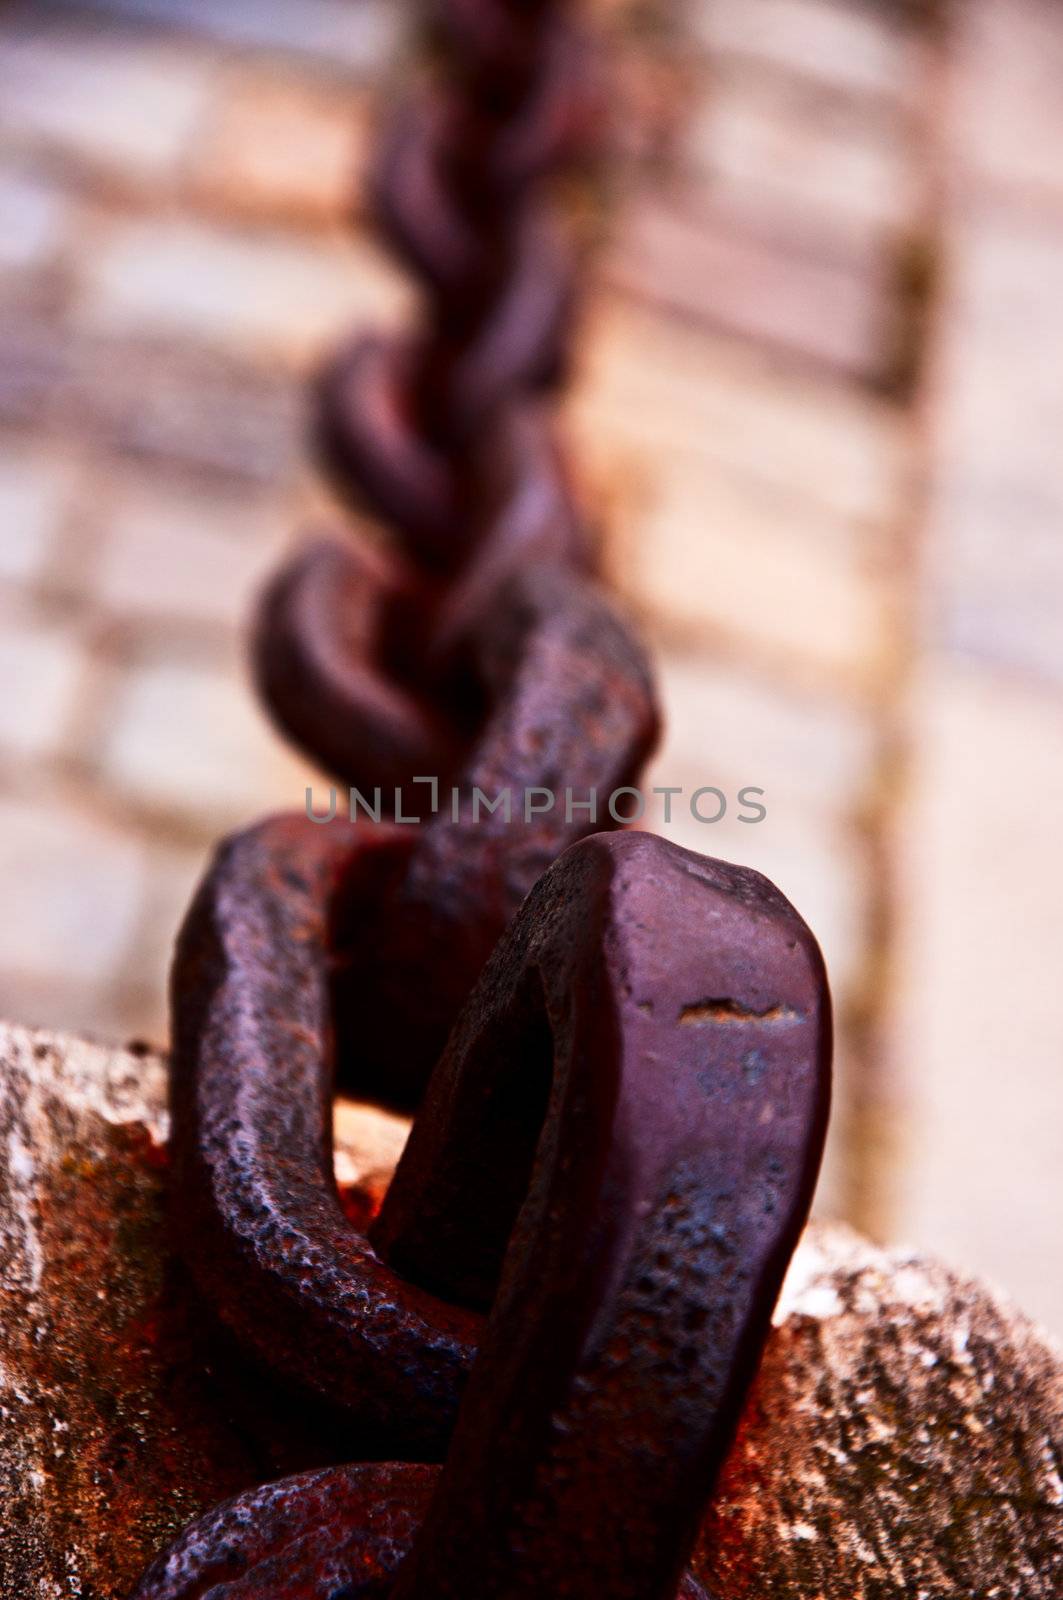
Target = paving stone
(41,669)
(980,1014)
(172,549)
(188,743)
(819,753)
(277,147)
(996,508)
(34,368)
(171,876)
(258,293)
(73,887)
(653,388)
(820,171)
(36,485)
(357,38)
(671,251)
(712,558)
(1006,110)
(855,48)
(117,102)
(208,409)
(36,221)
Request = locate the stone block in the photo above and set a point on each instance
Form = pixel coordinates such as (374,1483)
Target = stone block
(42,665)
(840,45)
(980,1011)
(995,557)
(810,170)
(36,486)
(185,741)
(37,221)
(184,550)
(342,38)
(73,891)
(125,105)
(671,251)
(652,388)
(1005,114)
(283,148)
(714,559)
(257,293)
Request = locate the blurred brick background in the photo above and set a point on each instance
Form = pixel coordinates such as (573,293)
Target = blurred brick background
(819,415)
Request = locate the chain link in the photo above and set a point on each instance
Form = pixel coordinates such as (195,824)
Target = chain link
(616,1149)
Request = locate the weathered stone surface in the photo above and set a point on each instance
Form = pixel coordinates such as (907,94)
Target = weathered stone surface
(903,1439)
(109,1438)
(115,1428)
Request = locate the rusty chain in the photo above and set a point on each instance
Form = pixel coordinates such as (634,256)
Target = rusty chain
(572,1276)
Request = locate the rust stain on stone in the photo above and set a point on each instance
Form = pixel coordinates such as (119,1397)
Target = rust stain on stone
(117,1425)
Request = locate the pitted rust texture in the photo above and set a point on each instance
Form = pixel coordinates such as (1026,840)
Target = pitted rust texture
(623,1186)
(654,1210)
(255,1206)
(335,1534)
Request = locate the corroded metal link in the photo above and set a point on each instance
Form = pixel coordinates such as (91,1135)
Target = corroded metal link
(411,913)
(378,454)
(371,431)
(365,663)
(572,715)
(340,1533)
(618,1152)
(431,135)
(371,445)
(332,644)
(498,36)
(516,342)
(335,1534)
(255,1206)
(402,430)
(628,1121)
